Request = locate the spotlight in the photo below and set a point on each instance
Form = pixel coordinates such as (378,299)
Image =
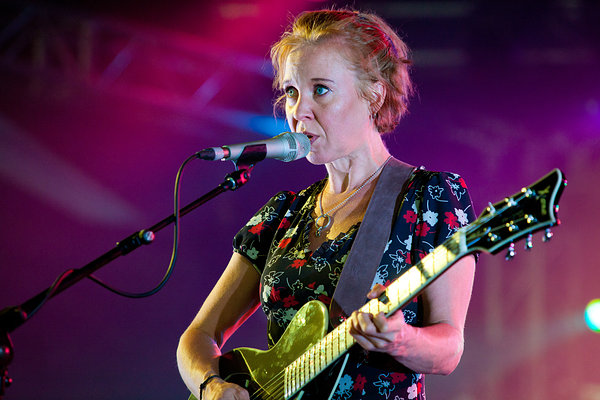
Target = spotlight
(592,315)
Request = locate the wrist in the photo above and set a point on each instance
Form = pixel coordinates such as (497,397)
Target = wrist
(210,378)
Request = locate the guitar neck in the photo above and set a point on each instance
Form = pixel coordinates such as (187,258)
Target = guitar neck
(399,293)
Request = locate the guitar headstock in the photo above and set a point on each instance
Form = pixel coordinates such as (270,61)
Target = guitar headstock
(534,208)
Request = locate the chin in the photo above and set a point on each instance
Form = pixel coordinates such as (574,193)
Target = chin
(315,159)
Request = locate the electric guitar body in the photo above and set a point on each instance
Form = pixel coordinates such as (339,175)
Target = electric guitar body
(261,371)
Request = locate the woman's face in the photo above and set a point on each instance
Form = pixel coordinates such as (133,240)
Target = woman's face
(323,102)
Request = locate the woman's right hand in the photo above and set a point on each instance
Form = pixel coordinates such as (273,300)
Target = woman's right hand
(218,389)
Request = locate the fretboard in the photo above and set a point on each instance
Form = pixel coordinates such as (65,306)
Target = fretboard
(399,293)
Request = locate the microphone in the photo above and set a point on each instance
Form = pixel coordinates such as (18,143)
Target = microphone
(288,146)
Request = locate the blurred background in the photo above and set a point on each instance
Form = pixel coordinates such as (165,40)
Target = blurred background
(101,101)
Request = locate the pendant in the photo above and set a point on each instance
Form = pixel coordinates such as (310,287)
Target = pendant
(326,223)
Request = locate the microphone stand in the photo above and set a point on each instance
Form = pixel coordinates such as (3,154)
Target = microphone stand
(13,317)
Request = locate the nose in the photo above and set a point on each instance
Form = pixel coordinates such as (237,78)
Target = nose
(300,111)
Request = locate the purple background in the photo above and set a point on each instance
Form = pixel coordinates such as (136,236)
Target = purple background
(101,103)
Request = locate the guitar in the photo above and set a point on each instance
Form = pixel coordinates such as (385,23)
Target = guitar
(307,351)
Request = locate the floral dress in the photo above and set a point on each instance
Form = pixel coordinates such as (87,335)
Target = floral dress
(276,241)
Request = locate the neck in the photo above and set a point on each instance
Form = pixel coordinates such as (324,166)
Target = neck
(346,174)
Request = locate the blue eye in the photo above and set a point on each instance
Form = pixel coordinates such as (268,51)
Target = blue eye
(290,91)
(320,90)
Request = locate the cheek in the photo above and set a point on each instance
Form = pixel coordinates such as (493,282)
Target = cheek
(290,119)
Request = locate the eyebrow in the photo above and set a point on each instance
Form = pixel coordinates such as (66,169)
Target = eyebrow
(287,81)
(322,79)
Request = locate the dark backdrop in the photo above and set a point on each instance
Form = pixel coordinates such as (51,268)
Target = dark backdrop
(100,102)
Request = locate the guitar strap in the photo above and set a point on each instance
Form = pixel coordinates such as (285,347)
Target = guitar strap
(370,242)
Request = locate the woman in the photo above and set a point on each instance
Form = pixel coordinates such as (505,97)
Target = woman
(344,78)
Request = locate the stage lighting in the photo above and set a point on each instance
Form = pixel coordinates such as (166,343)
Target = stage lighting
(592,315)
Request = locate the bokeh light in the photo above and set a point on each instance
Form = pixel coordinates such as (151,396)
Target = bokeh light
(592,315)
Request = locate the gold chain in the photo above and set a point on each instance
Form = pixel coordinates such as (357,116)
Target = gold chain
(327,216)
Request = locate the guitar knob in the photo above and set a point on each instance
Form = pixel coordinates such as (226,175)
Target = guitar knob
(548,235)
(529,242)
(511,252)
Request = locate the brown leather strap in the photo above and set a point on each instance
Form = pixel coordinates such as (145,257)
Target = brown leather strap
(370,242)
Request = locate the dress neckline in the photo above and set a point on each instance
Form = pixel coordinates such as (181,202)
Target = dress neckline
(329,244)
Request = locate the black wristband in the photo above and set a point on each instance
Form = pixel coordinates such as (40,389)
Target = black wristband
(206,381)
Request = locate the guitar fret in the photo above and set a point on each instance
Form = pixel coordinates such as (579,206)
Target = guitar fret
(322,363)
(312,361)
(286,381)
(300,378)
(328,354)
(292,377)
(319,356)
(305,372)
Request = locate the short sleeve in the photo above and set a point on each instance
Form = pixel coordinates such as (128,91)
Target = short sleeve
(442,206)
(254,240)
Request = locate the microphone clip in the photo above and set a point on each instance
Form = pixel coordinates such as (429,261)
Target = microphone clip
(243,166)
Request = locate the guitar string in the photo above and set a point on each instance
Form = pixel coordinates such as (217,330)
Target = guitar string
(276,383)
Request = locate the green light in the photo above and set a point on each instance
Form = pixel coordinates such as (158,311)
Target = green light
(592,315)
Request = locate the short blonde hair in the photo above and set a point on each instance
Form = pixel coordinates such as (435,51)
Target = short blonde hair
(375,52)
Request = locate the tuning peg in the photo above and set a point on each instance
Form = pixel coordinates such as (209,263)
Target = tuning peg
(528,192)
(511,252)
(548,235)
(529,242)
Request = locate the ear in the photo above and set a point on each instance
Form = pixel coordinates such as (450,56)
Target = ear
(379,90)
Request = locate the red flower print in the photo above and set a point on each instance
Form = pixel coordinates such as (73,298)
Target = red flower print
(451,220)
(298,263)
(422,229)
(410,217)
(409,259)
(462,183)
(324,299)
(284,224)
(275,295)
(397,377)
(290,301)
(359,383)
(284,242)
(256,229)
(312,285)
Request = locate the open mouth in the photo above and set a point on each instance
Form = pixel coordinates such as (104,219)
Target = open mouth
(310,136)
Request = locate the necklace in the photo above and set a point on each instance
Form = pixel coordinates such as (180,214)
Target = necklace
(325,220)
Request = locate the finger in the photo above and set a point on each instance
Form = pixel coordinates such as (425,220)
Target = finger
(380,322)
(363,341)
(360,323)
(368,342)
(374,329)
(376,291)
(365,323)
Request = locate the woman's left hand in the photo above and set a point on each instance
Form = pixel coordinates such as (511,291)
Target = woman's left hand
(378,333)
